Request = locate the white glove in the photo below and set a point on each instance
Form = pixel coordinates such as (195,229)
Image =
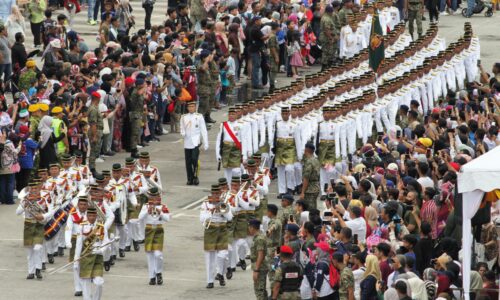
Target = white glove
(68,245)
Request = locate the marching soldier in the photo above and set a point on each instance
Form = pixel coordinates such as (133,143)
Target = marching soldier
(261,181)
(154,214)
(214,215)
(90,244)
(194,131)
(151,173)
(260,265)
(230,144)
(310,177)
(239,232)
(288,277)
(139,185)
(136,114)
(76,217)
(83,174)
(273,234)
(286,149)
(95,131)
(35,218)
(325,147)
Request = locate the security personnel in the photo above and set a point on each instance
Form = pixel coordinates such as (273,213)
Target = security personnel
(310,177)
(214,216)
(415,8)
(291,238)
(154,214)
(136,114)
(90,246)
(194,131)
(286,212)
(203,72)
(60,131)
(273,234)
(258,253)
(344,11)
(288,277)
(328,38)
(95,131)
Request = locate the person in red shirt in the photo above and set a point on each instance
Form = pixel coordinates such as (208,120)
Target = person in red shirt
(490,285)
(382,252)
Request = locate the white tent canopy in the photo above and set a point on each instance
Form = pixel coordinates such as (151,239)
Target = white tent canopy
(476,177)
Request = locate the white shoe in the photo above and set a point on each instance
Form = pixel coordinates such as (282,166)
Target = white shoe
(444,13)
(14,194)
(99,160)
(165,131)
(139,147)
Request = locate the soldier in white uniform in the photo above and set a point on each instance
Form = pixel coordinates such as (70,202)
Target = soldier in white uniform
(194,132)
(325,145)
(352,40)
(214,215)
(154,214)
(139,186)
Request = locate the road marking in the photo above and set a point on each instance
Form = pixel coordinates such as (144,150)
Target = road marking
(191,187)
(178,141)
(195,203)
(177,215)
(9,240)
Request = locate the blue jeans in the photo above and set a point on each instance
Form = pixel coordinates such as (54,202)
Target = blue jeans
(7,188)
(6,71)
(90,9)
(256,60)
(470,6)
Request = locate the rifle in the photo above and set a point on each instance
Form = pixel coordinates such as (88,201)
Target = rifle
(221,145)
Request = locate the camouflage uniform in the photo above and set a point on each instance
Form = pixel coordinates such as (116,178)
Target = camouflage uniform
(204,90)
(328,47)
(311,172)
(284,215)
(25,79)
(415,14)
(279,277)
(136,118)
(346,281)
(273,242)
(272,43)
(214,79)
(343,13)
(259,286)
(95,117)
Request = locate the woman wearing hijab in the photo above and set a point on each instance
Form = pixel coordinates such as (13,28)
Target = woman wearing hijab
(322,288)
(430,276)
(14,24)
(48,154)
(370,278)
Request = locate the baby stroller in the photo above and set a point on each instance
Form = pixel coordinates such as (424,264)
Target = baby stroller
(480,6)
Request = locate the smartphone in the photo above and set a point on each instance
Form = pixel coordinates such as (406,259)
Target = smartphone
(407,151)
(291,218)
(325,187)
(428,153)
(355,239)
(379,138)
(398,134)
(478,62)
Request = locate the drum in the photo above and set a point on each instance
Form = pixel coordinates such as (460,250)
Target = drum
(58,220)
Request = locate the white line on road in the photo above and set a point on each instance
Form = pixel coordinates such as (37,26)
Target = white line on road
(191,205)
(191,187)
(176,142)
(9,240)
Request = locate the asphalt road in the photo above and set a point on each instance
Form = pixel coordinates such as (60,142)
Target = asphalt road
(184,270)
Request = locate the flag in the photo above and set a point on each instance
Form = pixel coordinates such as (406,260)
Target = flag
(376,47)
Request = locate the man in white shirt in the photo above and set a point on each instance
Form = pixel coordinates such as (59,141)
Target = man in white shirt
(354,220)
(194,131)
(424,180)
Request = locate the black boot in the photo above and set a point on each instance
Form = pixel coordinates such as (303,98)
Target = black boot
(159,279)
(107,266)
(30,276)
(136,246)
(152,281)
(44,267)
(196,181)
(94,172)
(134,153)
(121,253)
(38,274)
(60,251)
(78,294)
(210,285)
(229,273)
(220,277)
(112,260)
(55,254)
(127,248)
(243,264)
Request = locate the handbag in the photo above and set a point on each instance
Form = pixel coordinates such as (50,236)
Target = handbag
(171,107)
(15,168)
(105,127)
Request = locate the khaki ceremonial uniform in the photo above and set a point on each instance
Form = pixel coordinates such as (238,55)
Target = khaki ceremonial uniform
(259,244)
(95,118)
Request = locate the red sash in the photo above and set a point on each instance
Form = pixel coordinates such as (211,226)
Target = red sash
(232,135)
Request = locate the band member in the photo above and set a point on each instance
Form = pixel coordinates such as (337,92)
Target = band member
(214,215)
(34,219)
(90,245)
(83,174)
(77,216)
(230,144)
(139,186)
(194,131)
(260,181)
(151,173)
(154,214)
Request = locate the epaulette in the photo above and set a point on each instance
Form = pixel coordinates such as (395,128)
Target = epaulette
(84,223)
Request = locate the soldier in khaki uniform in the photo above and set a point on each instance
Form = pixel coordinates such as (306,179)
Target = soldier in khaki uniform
(205,87)
(136,114)
(310,177)
(415,8)
(95,132)
(274,58)
(288,277)
(258,258)
(286,211)
(328,38)
(273,234)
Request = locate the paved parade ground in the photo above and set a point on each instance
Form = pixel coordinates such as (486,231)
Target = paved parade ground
(184,270)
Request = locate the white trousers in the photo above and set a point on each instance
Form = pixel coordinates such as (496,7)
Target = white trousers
(286,178)
(77,282)
(239,251)
(215,262)
(324,178)
(297,171)
(122,233)
(44,251)
(155,262)
(228,174)
(34,258)
(132,231)
(87,288)
(51,245)
(141,229)
(61,239)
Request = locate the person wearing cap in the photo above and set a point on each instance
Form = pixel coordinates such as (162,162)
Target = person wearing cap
(194,132)
(136,114)
(285,215)
(260,266)
(273,234)
(95,131)
(35,117)
(139,185)
(261,182)
(322,288)
(328,37)
(154,214)
(291,238)
(205,84)
(34,222)
(214,217)
(83,176)
(310,177)
(91,242)
(287,151)
(25,158)
(76,217)
(288,277)
(415,10)
(325,147)
(150,172)
(231,144)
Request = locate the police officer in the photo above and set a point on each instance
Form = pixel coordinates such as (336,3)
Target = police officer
(95,132)
(310,177)
(194,131)
(288,277)
(136,113)
(415,14)
(258,258)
